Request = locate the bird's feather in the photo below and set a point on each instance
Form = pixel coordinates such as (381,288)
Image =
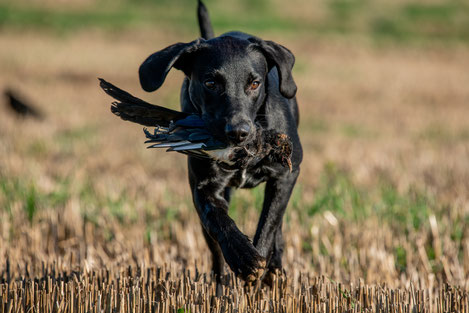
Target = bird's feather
(170,144)
(191,146)
(187,133)
(130,108)
(192,121)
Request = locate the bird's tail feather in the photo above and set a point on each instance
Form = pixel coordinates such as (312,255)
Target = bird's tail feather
(130,108)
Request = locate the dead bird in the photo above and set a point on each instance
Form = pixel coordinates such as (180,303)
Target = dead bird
(187,133)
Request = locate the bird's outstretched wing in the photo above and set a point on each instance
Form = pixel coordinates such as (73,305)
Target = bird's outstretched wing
(187,133)
(130,108)
(174,130)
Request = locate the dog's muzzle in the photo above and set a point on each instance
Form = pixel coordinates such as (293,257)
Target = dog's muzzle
(238,133)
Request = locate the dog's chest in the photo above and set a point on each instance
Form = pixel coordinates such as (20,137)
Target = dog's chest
(249,177)
(238,179)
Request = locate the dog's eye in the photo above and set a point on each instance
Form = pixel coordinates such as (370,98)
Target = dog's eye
(254,85)
(210,84)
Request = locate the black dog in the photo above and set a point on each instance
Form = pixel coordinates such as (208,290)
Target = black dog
(239,84)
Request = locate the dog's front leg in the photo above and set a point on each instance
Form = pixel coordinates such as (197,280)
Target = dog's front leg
(268,239)
(208,186)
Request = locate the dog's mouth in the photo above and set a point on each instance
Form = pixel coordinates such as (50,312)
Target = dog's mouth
(249,141)
(217,129)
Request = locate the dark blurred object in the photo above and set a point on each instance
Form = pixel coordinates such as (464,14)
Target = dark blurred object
(20,106)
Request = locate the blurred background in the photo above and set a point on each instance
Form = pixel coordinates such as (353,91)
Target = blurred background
(383,91)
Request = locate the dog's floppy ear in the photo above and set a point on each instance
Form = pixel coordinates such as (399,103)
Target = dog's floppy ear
(282,58)
(154,69)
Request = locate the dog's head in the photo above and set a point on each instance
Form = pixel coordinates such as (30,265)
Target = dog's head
(227,79)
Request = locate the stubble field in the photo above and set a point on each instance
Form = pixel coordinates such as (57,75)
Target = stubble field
(91,221)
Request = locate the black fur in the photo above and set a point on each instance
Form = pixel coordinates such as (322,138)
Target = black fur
(206,30)
(238,83)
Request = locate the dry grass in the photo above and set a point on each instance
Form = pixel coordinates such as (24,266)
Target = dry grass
(381,209)
(159,289)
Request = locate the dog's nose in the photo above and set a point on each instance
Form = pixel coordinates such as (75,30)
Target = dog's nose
(237,133)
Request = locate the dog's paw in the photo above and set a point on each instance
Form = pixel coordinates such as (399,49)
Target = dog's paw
(274,276)
(242,257)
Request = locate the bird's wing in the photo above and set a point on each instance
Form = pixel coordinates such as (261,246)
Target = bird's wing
(192,141)
(130,108)
(177,131)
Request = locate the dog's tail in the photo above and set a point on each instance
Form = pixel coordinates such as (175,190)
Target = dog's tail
(206,30)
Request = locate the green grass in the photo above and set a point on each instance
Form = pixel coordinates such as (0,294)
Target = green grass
(77,134)
(29,196)
(403,212)
(440,134)
(124,15)
(338,194)
(400,258)
(402,22)
(314,126)
(243,202)
(62,20)
(356,131)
